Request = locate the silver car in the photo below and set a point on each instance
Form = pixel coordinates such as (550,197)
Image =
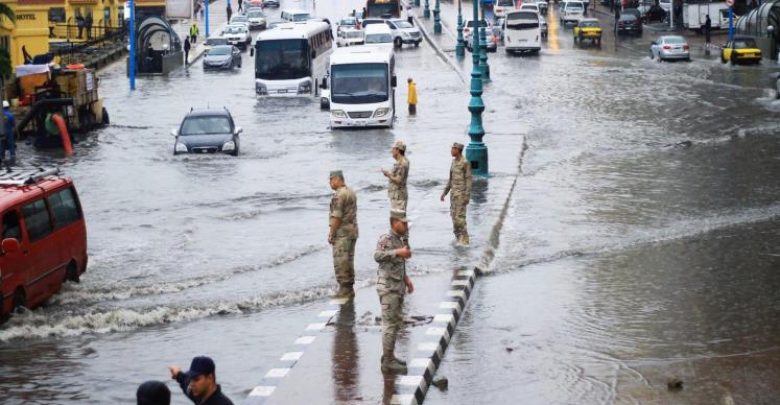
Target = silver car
(670,47)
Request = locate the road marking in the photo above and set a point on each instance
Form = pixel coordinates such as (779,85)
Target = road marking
(443,318)
(328,314)
(277,373)
(449,305)
(401,399)
(305,340)
(316,326)
(292,356)
(262,391)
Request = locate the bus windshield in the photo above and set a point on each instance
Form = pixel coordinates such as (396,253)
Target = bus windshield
(282,59)
(359,83)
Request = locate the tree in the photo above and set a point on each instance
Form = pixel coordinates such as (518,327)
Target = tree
(5,57)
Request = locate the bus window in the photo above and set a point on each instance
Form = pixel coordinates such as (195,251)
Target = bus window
(36,217)
(11,228)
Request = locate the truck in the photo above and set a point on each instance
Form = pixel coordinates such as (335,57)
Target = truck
(383,9)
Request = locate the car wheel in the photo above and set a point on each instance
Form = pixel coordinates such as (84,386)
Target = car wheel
(397,43)
(722,58)
(652,55)
(580,39)
(417,44)
(733,60)
(19,300)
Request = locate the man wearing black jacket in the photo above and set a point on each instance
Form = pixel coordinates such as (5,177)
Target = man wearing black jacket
(200,382)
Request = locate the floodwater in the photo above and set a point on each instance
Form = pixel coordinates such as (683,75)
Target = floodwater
(640,244)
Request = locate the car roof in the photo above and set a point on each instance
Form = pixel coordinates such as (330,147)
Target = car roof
(13,194)
(589,20)
(208,113)
(378,29)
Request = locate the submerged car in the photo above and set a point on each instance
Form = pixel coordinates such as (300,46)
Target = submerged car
(207,131)
(629,23)
(222,57)
(588,29)
(492,38)
(669,47)
(741,50)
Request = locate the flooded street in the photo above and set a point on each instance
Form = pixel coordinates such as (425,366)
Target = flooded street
(641,243)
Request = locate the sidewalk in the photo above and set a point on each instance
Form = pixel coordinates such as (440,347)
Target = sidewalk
(217,19)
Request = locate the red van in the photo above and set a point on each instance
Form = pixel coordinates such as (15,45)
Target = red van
(44,237)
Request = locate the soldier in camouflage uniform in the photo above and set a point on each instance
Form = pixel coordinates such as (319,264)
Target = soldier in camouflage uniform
(459,187)
(392,283)
(397,178)
(343,233)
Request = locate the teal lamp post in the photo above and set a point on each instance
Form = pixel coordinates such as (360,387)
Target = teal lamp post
(426,11)
(476,151)
(483,64)
(460,48)
(436,19)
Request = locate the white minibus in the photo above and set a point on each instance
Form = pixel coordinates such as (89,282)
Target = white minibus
(522,32)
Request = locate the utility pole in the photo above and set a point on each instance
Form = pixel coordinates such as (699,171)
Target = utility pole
(476,151)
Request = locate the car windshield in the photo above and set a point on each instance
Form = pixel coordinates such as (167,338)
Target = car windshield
(402,24)
(588,24)
(529,7)
(673,40)
(744,43)
(627,17)
(359,83)
(574,6)
(379,39)
(221,50)
(205,125)
(506,3)
(348,21)
(300,17)
(282,59)
(214,41)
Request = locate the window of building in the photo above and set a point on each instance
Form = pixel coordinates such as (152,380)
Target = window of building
(57,14)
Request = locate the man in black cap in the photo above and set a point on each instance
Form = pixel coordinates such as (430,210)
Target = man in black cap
(200,382)
(153,393)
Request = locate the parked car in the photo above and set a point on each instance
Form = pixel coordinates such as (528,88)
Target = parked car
(237,35)
(222,57)
(629,23)
(571,12)
(271,3)
(349,37)
(741,49)
(670,47)
(588,29)
(492,37)
(256,19)
(207,131)
(44,237)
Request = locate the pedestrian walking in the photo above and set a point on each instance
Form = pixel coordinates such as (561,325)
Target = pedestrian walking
(9,143)
(396,177)
(187,48)
(194,32)
(229,11)
(343,233)
(200,382)
(392,284)
(240,5)
(412,96)
(459,188)
(707,29)
(153,393)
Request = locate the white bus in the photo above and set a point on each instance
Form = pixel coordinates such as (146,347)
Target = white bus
(290,58)
(522,32)
(362,87)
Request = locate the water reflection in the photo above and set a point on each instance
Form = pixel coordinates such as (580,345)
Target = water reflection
(345,356)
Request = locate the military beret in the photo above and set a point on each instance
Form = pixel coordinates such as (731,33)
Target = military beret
(336,173)
(457,145)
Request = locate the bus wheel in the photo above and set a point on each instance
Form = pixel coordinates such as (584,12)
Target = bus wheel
(398,43)
(72,273)
(20,301)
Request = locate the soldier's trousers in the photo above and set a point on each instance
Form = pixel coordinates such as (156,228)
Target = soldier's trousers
(344,261)
(392,320)
(398,200)
(458,207)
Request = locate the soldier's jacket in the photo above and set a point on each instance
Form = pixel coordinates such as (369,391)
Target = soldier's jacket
(460,179)
(392,269)
(398,177)
(343,205)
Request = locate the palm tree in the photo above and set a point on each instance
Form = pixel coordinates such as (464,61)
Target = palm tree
(5,57)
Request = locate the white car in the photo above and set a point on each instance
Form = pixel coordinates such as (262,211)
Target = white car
(256,19)
(530,7)
(404,32)
(238,35)
(502,6)
(572,12)
(348,36)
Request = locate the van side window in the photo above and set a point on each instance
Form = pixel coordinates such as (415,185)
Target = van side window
(11,228)
(36,217)
(64,207)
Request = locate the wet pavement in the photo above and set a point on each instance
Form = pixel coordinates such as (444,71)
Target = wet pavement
(640,243)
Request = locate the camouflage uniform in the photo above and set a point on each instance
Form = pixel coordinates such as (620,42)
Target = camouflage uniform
(391,288)
(397,188)
(459,187)
(343,205)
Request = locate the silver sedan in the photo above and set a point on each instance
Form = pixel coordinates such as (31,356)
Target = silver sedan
(670,47)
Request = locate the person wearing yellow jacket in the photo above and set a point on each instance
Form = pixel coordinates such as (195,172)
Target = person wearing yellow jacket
(412,96)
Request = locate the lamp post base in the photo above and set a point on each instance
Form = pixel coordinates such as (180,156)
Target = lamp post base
(477,154)
(436,22)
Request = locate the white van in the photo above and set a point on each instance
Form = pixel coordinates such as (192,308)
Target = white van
(378,35)
(522,31)
(572,11)
(295,15)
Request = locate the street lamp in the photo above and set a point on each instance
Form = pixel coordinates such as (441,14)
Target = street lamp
(436,19)
(476,151)
(483,48)
(460,48)
(426,11)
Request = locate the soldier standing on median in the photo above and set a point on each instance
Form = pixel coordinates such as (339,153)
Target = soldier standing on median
(459,187)
(343,233)
(392,283)
(396,188)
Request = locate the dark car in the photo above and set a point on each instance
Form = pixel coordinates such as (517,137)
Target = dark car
(222,57)
(629,23)
(207,131)
(271,3)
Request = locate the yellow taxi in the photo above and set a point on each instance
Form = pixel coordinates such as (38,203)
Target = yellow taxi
(587,28)
(739,50)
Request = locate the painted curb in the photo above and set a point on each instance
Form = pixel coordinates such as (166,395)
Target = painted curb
(438,50)
(274,376)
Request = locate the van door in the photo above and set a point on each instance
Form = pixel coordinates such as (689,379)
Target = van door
(46,272)
(14,265)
